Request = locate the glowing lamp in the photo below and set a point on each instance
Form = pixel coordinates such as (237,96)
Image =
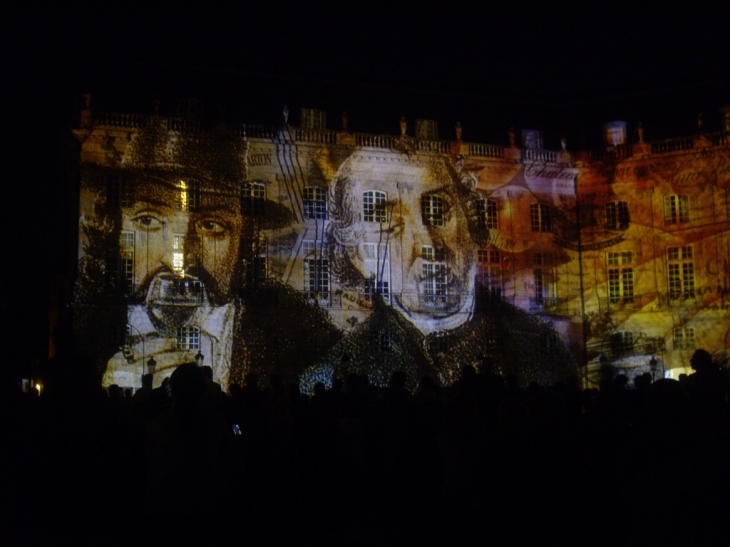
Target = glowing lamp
(151,365)
(199,359)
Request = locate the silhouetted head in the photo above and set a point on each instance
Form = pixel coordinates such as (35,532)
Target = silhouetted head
(208,372)
(701,361)
(147,381)
(187,385)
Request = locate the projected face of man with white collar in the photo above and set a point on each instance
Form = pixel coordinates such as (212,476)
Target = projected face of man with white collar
(424,223)
(179,242)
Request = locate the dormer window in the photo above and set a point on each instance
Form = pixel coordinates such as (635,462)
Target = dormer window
(313,118)
(427,130)
(615,133)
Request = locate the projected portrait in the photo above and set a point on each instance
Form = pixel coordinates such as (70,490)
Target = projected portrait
(174,268)
(404,238)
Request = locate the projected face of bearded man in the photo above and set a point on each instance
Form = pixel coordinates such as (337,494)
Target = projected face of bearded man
(180,227)
(422,226)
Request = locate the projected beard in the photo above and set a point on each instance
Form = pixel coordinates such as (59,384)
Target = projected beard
(431,220)
(183,274)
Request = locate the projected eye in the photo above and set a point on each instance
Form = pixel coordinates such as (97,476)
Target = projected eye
(148,222)
(212,228)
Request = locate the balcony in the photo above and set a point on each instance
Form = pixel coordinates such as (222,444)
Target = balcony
(549,304)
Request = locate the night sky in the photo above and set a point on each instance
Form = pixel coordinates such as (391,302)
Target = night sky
(565,71)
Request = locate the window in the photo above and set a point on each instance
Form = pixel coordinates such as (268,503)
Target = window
(617,215)
(254,269)
(620,285)
(316,274)
(543,259)
(381,341)
(676,209)
(622,343)
(427,130)
(489,270)
(126,247)
(120,190)
(374,206)
(540,217)
(253,198)
(377,268)
(681,272)
(188,338)
(432,210)
(490,214)
(434,281)
(315,203)
(431,253)
(684,338)
(313,118)
(543,284)
(622,257)
(189,196)
(178,253)
(615,133)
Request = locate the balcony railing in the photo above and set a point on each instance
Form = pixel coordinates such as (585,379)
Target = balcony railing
(438,147)
(375,141)
(548,304)
(113,119)
(612,153)
(319,136)
(672,145)
(544,156)
(324,299)
(439,301)
(483,150)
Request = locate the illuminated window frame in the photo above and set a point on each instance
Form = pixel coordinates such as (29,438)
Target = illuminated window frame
(374,206)
(617,215)
(676,209)
(377,268)
(188,338)
(316,276)
(432,210)
(540,217)
(126,249)
(620,257)
(620,285)
(489,270)
(120,190)
(491,214)
(683,338)
(680,271)
(315,202)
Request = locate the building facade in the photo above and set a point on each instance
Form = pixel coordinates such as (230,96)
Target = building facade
(311,253)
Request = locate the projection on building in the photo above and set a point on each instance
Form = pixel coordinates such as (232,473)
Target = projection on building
(314,254)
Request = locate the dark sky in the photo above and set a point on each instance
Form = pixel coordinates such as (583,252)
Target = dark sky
(555,68)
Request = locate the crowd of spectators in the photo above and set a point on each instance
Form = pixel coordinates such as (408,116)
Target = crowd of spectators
(633,462)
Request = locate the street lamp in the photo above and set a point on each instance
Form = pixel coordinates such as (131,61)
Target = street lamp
(199,359)
(652,365)
(151,365)
(130,357)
